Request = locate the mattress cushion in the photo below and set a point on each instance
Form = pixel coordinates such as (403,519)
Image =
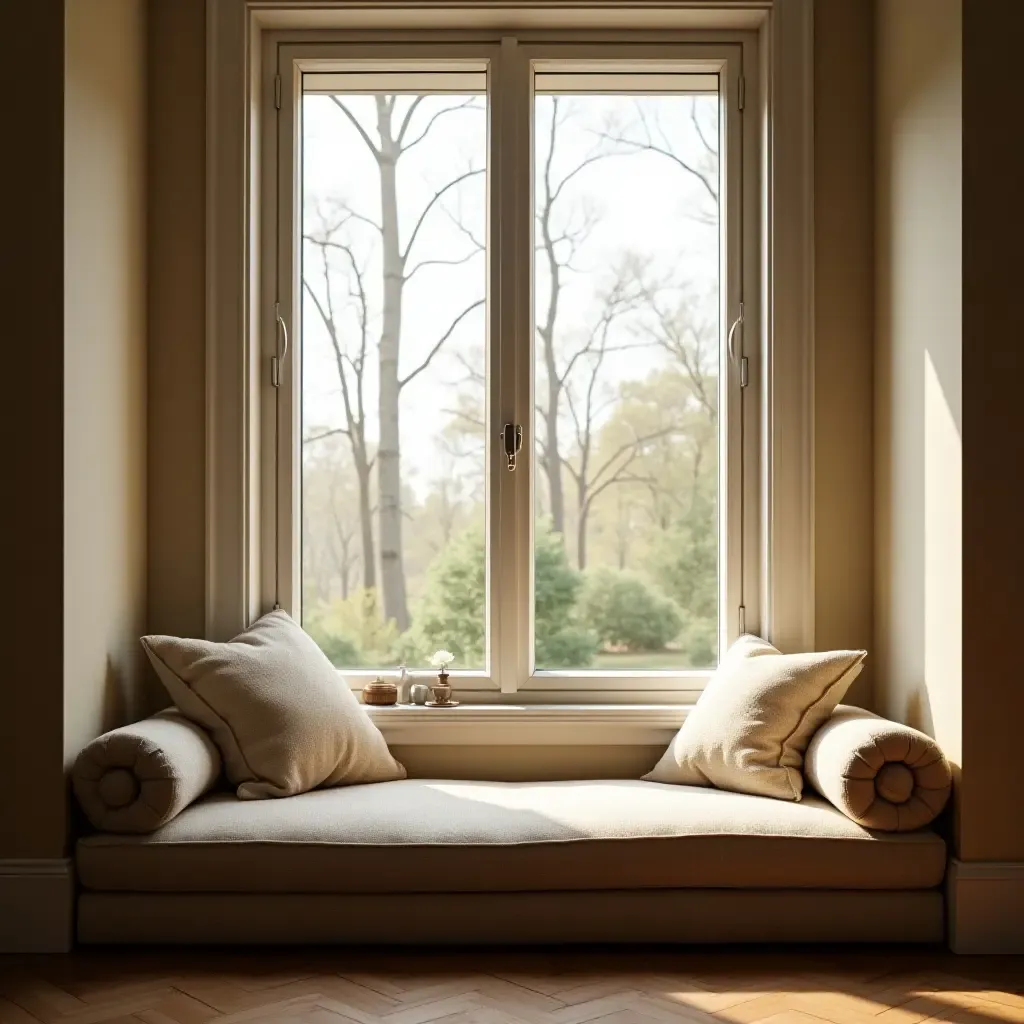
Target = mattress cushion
(421,835)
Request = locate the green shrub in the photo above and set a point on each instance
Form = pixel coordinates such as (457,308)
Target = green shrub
(627,612)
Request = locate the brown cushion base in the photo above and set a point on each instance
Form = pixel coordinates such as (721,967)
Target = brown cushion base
(447,836)
(688,915)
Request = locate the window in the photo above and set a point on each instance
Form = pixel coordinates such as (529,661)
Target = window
(515,415)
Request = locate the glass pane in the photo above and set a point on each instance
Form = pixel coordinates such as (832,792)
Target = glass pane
(626,378)
(393,367)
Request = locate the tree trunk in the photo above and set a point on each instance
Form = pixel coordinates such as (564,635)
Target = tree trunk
(553,463)
(366,521)
(581,529)
(389,478)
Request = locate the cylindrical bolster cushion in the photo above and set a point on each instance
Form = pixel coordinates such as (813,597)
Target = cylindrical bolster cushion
(137,778)
(881,774)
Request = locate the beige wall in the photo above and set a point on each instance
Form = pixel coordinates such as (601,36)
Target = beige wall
(844,288)
(104,366)
(918,422)
(32,806)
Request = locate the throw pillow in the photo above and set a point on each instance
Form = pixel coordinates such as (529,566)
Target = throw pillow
(283,718)
(750,727)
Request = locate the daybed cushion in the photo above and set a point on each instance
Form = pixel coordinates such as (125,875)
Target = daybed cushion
(751,725)
(284,720)
(420,835)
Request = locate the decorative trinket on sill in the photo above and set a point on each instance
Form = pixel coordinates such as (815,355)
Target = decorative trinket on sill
(418,693)
(380,693)
(441,691)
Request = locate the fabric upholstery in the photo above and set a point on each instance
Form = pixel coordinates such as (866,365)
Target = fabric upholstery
(881,774)
(439,836)
(138,778)
(666,915)
(751,725)
(283,718)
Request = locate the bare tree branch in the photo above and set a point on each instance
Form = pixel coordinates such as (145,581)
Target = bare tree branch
(469,104)
(442,263)
(430,205)
(336,432)
(375,150)
(437,345)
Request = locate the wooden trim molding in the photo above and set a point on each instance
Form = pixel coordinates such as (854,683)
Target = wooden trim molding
(985,906)
(36,905)
(531,725)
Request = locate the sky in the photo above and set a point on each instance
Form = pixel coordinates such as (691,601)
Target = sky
(641,203)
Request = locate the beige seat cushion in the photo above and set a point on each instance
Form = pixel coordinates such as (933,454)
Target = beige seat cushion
(284,720)
(430,836)
(752,724)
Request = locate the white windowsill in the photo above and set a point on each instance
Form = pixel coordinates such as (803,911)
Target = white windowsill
(525,725)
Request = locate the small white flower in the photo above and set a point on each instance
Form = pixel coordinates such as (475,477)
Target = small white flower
(441,659)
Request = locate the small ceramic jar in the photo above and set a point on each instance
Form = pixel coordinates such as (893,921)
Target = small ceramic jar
(419,693)
(380,693)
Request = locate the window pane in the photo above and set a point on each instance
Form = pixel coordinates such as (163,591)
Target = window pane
(393,369)
(626,377)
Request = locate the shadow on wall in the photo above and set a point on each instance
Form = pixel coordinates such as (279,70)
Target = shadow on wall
(131,691)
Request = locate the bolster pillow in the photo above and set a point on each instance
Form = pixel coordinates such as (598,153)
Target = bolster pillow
(137,778)
(881,774)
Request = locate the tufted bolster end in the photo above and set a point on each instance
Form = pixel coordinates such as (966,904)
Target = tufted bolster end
(137,778)
(881,774)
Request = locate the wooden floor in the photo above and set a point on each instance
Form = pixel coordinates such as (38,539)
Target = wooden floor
(877,986)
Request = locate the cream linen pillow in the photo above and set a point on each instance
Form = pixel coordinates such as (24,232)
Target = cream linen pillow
(751,726)
(283,718)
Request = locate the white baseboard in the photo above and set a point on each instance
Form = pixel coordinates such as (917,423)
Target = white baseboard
(985,904)
(36,906)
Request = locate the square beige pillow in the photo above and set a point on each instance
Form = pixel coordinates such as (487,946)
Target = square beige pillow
(283,718)
(750,727)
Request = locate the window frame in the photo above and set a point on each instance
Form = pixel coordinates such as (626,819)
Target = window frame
(242,330)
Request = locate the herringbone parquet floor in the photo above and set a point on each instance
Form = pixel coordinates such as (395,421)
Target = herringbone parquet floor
(630,986)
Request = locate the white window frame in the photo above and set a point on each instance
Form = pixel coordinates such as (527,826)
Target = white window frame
(242,330)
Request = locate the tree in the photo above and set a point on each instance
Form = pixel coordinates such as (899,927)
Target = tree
(587,401)
(351,364)
(560,236)
(330,553)
(393,141)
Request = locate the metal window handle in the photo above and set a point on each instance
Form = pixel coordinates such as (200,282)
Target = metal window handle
(736,325)
(278,361)
(512,439)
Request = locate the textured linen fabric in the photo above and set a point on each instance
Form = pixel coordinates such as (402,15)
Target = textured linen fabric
(137,778)
(664,915)
(750,727)
(440,836)
(283,718)
(881,774)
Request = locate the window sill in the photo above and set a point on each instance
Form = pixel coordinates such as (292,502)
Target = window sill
(529,725)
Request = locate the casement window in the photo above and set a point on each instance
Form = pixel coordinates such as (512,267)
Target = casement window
(510,355)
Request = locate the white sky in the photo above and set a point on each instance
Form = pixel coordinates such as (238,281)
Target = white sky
(643,203)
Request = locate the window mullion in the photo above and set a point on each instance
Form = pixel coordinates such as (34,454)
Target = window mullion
(510,385)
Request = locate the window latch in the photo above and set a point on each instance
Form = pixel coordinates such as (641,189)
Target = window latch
(512,439)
